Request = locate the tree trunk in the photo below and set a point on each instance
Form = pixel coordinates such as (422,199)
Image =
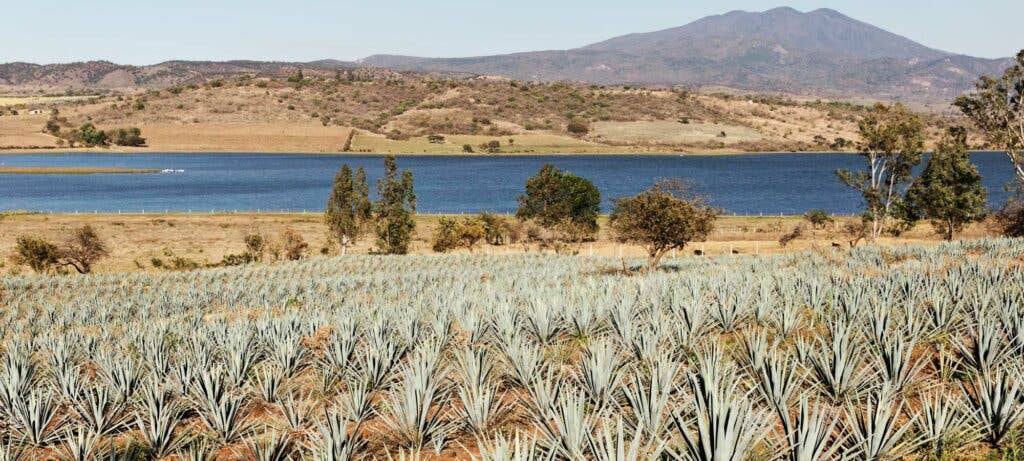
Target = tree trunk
(949,230)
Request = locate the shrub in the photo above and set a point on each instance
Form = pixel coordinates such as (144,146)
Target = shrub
(293,246)
(82,249)
(818,218)
(128,137)
(451,234)
(662,218)
(1009,220)
(578,127)
(36,253)
(792,235)
(466,148)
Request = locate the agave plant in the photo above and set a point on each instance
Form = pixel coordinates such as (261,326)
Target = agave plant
(994,401)
(725,425)
(158,422)
(944,424)
(335,440)
(416,407)
(876,430)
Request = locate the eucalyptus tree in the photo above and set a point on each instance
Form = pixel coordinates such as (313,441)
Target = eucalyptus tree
(892,140)
(394,211)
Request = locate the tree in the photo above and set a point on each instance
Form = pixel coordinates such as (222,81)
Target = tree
(82,249)
(128,137)
(293,245)
(892,139)
(451,234)
(562,202)
(949,192)
(395,209)
(997,108)
(662,218)
(818,218)
(35,253)
(89,136)
(498,230)
(348,207)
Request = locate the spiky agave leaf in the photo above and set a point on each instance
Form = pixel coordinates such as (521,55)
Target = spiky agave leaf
(725,424)
(159,420)
(610,444)
(337,439)
(994,401)
(519,448)
(876,430)
(944,424)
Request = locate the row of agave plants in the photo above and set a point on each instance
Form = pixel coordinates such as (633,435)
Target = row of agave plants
(878,353)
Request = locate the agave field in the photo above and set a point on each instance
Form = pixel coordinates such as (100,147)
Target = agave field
(876,353)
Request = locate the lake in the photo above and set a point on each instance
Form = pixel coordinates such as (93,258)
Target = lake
(740,184)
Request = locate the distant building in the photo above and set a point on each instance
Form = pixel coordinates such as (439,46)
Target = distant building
(35,112)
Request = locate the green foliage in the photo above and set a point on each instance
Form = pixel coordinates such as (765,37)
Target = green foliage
(662,218)
(498,230)
(466,148)
(349,209)
(394,212)
(892,140)
(88,136)
(127,137)
(949,192)
(997,108)
(561,201)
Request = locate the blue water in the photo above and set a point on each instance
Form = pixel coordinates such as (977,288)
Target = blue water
(741,184)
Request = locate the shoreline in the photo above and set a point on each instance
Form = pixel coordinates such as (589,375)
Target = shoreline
(72,170)
(416,154)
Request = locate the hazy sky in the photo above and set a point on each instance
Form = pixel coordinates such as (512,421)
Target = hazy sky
(150,31)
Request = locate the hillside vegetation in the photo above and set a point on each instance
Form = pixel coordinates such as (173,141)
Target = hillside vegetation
(383,111)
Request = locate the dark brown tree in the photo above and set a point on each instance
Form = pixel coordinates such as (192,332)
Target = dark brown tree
(82,249)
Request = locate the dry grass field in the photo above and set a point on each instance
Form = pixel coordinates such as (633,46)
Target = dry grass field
(6,101)
(136,239)
(395,114)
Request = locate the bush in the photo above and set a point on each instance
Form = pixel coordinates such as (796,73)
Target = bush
(293,246)
(88,136)
(792,235)
(1009,220)
(36,253)
(578,127)
(818,218)
(128,137)
(498,230)
(82,249)
(467,148)
(435,139)
(452,234)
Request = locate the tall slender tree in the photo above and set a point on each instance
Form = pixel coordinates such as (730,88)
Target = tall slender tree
(892,140)
(997,108)
(349,209)
(949,192)
(395,210)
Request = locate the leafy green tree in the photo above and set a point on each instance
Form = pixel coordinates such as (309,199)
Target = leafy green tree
(127,137)
(562,202)
(949,192)
(892,140)
(89,136)
(395,209)
(997,108)
(662,218)
(451,234)
(349,209)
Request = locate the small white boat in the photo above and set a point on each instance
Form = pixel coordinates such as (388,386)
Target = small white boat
(171,170)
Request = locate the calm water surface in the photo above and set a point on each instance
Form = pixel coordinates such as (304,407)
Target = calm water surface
(741,184)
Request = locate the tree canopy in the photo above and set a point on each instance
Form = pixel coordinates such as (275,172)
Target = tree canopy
(395,209)
(561,201)
(949,191)
(662,218)
(349,209)
(892,141)
(997,108)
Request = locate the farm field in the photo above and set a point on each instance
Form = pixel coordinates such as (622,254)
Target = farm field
(875,353)
(137,239)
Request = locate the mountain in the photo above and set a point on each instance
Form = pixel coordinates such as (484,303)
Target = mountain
(818,52)
(102,75)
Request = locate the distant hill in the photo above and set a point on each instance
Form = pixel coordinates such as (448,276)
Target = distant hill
(819,52)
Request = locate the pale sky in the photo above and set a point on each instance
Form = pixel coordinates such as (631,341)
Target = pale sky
(147,31)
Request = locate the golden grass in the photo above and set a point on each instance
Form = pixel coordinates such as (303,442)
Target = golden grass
(32,100)
(533,143)
(135,239)
(671,132)
(24,131)
(308,137)
(69,170)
